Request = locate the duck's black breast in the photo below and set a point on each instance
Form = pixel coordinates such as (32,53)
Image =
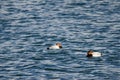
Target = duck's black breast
(89,55)
(60,46)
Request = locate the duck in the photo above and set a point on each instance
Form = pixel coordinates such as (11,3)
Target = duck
(56,46)
(91,53)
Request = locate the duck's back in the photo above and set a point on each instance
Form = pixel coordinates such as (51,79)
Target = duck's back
(96,54)
(54,47)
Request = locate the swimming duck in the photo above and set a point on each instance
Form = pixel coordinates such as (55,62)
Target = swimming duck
(56,46)
(91,53)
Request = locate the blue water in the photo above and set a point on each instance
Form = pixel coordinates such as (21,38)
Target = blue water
(28,27)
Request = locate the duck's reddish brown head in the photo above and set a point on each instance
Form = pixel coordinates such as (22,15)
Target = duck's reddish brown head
(59,44)
(89,53)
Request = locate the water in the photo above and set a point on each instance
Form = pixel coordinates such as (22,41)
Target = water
(28,27)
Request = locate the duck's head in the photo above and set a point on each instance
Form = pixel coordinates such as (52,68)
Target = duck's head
(59,44)
(89,53)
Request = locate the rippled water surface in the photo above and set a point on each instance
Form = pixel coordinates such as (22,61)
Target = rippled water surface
(28,27)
